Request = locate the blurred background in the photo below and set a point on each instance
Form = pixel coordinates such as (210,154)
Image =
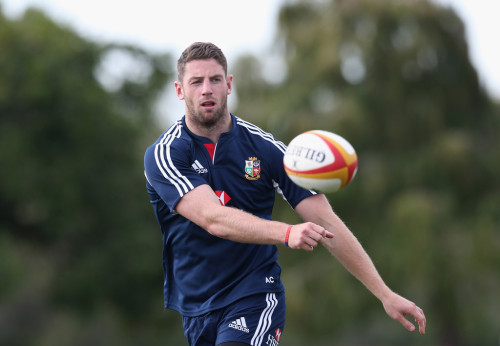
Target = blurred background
(80,250)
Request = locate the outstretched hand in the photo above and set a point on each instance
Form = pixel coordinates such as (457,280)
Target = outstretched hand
(398,308)
(307,236)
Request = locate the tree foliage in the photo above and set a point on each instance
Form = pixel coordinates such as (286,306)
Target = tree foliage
(396,80)
(77,233)
(80,252)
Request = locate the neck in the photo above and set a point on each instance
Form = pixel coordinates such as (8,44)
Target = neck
(210,131)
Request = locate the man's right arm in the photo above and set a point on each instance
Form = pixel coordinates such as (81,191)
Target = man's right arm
(201,205)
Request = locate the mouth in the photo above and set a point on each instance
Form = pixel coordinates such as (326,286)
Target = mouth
(208,104)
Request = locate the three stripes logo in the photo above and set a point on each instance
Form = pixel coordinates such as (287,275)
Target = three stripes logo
(198,167)
(240,324)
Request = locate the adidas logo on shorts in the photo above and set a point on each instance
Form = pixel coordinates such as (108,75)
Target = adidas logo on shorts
(240,324)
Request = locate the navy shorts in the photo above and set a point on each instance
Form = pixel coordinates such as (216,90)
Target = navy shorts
(255,320)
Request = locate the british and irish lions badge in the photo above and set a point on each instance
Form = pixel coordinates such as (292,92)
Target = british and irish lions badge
(252,168)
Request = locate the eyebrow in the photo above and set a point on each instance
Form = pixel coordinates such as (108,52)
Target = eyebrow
(220,75)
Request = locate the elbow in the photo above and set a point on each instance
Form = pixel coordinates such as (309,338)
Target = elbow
(211,227)
(218,229)
(216,219)
(212,223)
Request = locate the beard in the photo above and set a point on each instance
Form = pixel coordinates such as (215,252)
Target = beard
(207,119)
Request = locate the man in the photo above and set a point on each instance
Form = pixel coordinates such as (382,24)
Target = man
(219,242)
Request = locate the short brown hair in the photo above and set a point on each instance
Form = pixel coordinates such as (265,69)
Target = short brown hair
(200,51)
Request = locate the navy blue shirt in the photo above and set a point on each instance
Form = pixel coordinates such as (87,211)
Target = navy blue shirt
(245,169)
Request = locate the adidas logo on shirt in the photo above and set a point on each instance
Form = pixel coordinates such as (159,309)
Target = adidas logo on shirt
(240,324)
(198,167)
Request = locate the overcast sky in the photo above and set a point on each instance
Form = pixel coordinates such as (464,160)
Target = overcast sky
(237,27)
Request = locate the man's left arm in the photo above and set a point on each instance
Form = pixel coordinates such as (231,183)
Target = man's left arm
(349,252)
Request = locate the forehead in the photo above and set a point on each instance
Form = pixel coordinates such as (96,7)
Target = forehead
(201,68)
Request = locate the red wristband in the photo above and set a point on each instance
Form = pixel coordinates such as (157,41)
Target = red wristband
(287,234)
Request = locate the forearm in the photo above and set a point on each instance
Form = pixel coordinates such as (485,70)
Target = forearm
(347,249)
(240,226)
(237,225)
(344,246)
(202,207)
(349,252)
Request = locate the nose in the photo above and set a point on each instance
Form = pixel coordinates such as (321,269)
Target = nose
(207,87)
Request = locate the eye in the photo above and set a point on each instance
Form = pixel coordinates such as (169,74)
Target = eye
(216,79)
(195,82)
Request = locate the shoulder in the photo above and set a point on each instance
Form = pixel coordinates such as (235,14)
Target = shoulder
(256,134)
(169,149)
(175,137)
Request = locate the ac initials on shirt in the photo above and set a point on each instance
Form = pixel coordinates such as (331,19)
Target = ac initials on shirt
(269,280)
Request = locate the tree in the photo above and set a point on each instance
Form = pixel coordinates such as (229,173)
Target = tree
(395,80)
(77,232)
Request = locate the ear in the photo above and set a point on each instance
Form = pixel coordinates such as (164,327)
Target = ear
(179,91)
(229,84)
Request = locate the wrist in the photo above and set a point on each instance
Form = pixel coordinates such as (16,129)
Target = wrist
(287,235)
(384,294)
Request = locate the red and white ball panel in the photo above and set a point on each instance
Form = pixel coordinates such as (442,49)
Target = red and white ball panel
(320,160)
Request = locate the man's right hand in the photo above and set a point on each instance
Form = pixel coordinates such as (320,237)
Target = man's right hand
(307,236)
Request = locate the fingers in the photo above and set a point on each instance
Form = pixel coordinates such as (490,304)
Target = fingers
(308,248)
(421,320)
(419,317)
(407,324)
(311,239)
(309,235)
(309,244)
(398,308)
(322,232)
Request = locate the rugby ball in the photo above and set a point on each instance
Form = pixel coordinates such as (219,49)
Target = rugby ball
(321,161)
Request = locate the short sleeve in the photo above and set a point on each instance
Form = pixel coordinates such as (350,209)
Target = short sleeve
(168,171)
(290,191)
